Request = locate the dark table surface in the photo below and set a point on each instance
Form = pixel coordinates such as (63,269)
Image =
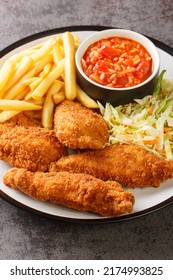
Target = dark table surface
(27,236)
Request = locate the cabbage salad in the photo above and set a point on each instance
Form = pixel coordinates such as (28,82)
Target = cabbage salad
(148,122)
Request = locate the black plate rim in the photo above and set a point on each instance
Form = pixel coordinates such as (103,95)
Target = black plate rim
(22,206)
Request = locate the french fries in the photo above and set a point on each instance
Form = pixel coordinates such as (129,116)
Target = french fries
(48,106)
(57,54)
(38,78)
(6,72)
(70,70)
(59,97)
(44,50)
(24,66)
(48,80)
(18,105)
(85,99)
(47,111)
(7,115)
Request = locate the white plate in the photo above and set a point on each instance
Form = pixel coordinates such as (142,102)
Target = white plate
(146,200)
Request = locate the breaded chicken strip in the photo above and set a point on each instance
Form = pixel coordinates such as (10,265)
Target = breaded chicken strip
(79,127)
(78,191)
(33,148)
(22,119)
(130,165)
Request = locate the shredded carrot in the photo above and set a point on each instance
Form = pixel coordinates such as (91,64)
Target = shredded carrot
(150,110)
(150,142)
(166,129)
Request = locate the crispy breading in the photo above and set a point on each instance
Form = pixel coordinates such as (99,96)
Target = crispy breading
(22,119)
(78,191)
(79,127)
(33,148)
(130,165)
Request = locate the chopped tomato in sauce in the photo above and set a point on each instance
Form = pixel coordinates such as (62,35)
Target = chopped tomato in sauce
(117,62)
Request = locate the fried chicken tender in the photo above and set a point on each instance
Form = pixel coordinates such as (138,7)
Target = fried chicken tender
(78,191)
(21,119)
(130,165)
(79,127)
(33,148)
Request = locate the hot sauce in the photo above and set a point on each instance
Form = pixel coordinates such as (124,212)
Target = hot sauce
(117,62)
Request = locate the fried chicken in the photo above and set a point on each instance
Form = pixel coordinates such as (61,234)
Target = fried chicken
(79,127)
(21,119)
(130,165)
(33,148)
(78,191)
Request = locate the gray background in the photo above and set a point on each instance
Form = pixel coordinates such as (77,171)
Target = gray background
(26,236)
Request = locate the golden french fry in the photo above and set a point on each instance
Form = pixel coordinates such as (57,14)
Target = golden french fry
(76,38)
(28,96)
(58,97)
(16,58)
(83,98)
(42,62)
(76,41)
(6,73)
(36,47)
(6,115)
(35,83)
(37,102)
(20,85)
(48,80)
(18,105)
(76,46)
(30,81)
(57,54)
(48,106)
(47,111)
(46,70)
(70,69)
(55,87)
(62,50)
(44,50)
(59,41)
(22,94)
(23,67)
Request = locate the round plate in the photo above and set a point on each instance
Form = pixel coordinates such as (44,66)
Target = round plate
(146,200)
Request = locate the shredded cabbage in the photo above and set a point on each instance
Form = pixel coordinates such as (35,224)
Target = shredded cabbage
(148,122)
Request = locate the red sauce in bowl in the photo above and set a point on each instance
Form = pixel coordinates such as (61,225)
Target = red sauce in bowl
(117,62)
